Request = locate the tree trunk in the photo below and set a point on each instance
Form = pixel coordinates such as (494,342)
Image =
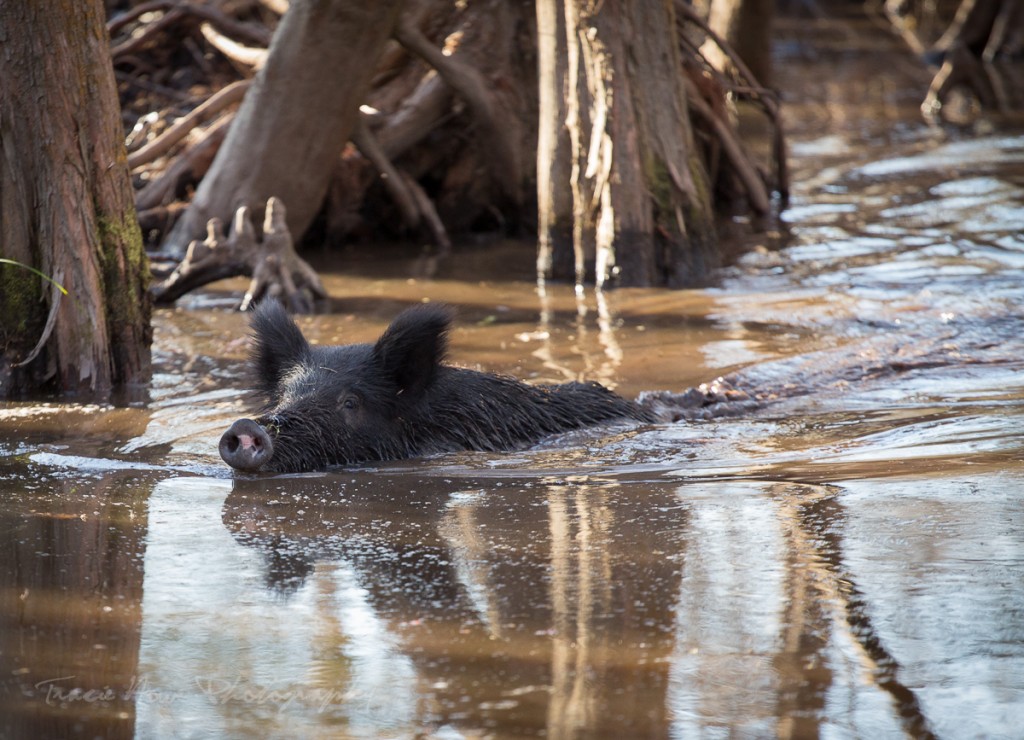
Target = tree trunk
(288,135)
(66,208)
(747,26)
(555,255)
(641,202)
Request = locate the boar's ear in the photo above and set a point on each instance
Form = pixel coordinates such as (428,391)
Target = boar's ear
(279,345)
(412,348)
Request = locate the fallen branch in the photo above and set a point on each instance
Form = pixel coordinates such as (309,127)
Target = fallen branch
(163,143)
(192,164)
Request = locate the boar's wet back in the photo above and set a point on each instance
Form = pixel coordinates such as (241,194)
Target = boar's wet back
(394,399)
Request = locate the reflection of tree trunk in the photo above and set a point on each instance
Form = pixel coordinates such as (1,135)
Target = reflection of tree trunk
(70,615)
(533,619)
(641,209)
(804,676)
(66,208)
(824,598)
(461,531)
(289,133)
(571,710)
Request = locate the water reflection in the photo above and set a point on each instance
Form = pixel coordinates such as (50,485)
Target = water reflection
(375,602)
(502,602)
(70,606)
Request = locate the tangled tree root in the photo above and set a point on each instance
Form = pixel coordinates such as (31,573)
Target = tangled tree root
(969,56)
(272,263)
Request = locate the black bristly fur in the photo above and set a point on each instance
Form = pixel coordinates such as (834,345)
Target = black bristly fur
(278,345)
(397,399)
(413,347)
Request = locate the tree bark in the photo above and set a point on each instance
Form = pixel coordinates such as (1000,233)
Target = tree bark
(555,254)
(641,202)
(66,208)
(746,26)
(295,120)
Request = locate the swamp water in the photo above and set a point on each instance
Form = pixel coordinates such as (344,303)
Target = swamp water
(846,559)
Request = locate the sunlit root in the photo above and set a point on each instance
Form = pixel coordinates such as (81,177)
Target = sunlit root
(251,56)
(162,144)
(187,167)
(273,264)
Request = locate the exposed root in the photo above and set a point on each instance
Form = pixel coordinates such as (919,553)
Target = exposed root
(188,167)
(968,79)
(272,263)
(159,146)
(744,87)
(412,202)
(746,171)
(471,86)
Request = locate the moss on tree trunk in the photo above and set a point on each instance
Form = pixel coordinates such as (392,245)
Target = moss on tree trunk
(66,208)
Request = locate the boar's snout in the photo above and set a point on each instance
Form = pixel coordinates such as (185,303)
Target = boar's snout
(246,445)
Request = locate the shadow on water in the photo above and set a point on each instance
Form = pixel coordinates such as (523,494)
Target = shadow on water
(842,556)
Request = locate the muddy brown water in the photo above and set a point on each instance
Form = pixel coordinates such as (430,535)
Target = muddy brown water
(845,560)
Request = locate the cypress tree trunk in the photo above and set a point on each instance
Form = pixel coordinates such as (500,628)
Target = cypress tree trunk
(747,26)
(66,208)
(641,203)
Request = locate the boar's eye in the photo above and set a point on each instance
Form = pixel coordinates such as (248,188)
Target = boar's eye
(348,402)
